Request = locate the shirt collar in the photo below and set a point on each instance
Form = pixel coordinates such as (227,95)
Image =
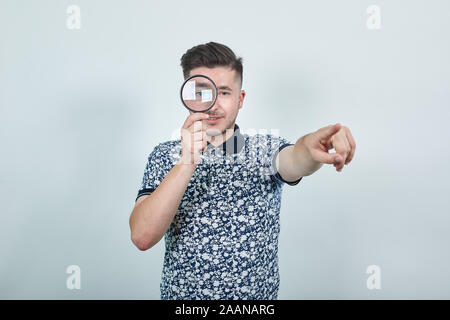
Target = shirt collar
(233,144)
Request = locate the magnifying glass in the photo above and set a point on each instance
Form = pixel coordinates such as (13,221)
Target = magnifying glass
(198,93)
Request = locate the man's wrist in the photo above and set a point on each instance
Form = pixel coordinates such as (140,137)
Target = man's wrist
(304,161)
(186,163)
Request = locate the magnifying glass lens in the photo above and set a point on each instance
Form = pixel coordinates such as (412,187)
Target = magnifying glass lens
(198,93)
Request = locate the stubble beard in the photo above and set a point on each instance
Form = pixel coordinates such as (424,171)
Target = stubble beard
(216,134)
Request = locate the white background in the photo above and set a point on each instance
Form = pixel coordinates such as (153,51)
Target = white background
(82,109)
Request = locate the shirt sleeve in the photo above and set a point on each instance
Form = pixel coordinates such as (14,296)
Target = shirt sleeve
(280,144)
(158,164)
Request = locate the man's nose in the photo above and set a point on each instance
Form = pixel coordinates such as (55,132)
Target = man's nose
(216,106)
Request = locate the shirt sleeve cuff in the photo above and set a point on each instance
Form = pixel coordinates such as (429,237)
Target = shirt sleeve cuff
(277,176)
(144,191)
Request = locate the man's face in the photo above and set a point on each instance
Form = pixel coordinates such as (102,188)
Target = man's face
(230,98)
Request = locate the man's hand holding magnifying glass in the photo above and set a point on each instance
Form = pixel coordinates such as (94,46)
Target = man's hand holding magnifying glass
(198,94)
(194,139)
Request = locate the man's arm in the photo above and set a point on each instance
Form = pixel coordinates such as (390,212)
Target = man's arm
(310,152)
(152,216)
(294,162)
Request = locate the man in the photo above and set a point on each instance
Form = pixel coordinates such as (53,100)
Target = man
(218,203)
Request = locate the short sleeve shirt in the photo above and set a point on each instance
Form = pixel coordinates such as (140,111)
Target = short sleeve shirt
(223,241)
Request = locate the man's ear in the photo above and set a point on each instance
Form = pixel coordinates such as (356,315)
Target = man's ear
(241,98)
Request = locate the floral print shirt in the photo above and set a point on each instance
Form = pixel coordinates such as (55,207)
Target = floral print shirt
(223,241)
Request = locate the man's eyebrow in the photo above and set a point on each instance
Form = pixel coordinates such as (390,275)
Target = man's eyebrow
(203,85)
(224,88)
(207,85)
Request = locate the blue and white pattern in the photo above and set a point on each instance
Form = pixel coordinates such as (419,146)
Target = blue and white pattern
(223,241)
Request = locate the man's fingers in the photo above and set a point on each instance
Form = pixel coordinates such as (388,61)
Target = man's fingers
(198,136)
(342,148)
(197,126)
(329,158)
(326,132)
(194,117)
(201,136)
(198,147)
(352,143)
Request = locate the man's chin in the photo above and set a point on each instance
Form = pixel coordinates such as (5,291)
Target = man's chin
(212,132)
(216,130)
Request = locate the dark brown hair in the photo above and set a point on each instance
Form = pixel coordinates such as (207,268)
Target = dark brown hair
(210,55)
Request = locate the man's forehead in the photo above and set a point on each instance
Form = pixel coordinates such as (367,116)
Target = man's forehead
(222,76)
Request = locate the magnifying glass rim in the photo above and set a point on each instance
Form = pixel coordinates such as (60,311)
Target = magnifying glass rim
(184,83)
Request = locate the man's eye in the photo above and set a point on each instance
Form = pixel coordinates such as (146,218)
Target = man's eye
(225,93)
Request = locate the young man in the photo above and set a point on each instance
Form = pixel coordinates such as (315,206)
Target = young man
(215,193)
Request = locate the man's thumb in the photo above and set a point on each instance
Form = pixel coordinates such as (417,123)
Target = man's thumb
(329,158)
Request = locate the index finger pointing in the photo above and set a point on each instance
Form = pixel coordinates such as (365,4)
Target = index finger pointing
(326,132)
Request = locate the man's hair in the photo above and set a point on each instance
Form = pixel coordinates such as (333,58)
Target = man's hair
(210,55)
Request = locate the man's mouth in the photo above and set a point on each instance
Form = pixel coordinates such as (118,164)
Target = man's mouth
(213,120)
